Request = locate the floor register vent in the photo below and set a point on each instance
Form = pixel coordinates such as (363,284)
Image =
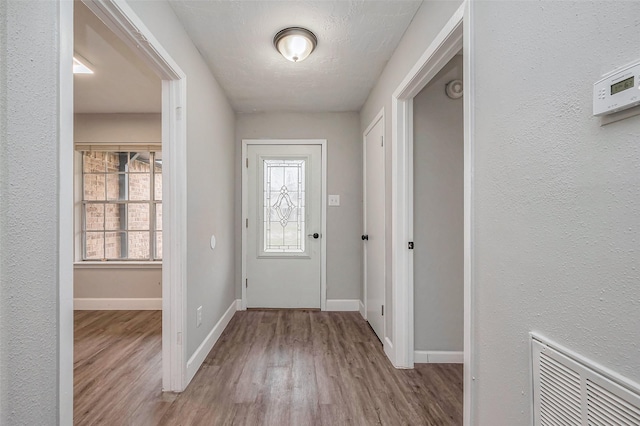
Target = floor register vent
(570,390)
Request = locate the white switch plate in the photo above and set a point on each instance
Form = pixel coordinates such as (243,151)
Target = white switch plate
(334,200)
(199,316)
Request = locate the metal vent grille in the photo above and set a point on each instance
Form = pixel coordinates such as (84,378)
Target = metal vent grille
(569,390)
(559,394)
(607,409)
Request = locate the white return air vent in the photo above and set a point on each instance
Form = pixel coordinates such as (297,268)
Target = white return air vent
(569,390)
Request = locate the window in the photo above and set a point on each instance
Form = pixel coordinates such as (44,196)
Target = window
(121,205)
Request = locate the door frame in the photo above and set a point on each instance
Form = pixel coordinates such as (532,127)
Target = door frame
(323,207)
(123,21)
(386,343)
(456,35)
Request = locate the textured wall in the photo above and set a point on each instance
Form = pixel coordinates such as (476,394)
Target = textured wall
(29,213)
(210,176)
(426,24)
(344,177)
(557,196)
(438,204)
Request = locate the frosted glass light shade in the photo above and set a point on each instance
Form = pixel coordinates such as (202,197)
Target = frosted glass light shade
(295,43)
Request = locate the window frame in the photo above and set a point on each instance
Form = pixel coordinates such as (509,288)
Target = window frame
(153,229)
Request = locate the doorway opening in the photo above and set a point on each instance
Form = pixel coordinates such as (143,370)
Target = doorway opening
(438,227)
(169,161)
(447,44)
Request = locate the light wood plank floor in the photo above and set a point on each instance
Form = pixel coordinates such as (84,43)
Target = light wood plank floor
(271,367)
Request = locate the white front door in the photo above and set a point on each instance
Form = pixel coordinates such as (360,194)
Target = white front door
(283,256)
(373,237)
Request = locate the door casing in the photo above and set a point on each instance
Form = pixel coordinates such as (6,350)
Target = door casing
(323,207)
(125,23)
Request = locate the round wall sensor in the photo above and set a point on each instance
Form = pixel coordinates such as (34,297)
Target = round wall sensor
(213,242)
(454,89)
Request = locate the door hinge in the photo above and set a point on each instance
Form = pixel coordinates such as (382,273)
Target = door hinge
(247,162)
(246,223)
(381,140)
(410,245)
(246,282)
(178,113)
(382,310)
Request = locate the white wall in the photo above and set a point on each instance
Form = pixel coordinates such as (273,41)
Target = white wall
(557,196)
(438,214)
(29,326)
(210,176)
(426,24)
(113,281)
(344,177)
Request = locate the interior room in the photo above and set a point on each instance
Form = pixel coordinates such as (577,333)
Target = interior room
(117,221)
(356,212)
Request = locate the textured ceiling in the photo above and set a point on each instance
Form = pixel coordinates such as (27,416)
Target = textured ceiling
(122,82)
(355,41)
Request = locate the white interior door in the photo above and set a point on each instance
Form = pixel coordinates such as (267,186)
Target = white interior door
(284,199)
(374,187)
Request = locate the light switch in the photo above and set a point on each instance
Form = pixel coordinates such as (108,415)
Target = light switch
(334,200)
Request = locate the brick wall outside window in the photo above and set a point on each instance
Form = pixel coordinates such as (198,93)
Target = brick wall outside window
(106,179)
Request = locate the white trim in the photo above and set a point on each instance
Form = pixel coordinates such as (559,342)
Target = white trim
(468,60)
(323,225)
(438,357)
(343,305)
(117,265)
(387,346)
(205,347)
(66,207)
(444,47)
(363,310)
(117,304)
(123,21)
(379,117)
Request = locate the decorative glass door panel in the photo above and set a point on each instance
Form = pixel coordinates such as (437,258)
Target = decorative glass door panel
(284,206)
(283,214)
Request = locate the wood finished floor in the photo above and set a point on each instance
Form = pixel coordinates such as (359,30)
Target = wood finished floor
(268,368)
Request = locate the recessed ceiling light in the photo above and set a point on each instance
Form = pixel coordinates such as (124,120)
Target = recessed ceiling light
(79,66)
(295,43)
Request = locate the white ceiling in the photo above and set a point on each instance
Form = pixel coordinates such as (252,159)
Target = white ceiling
(356,38)
(121,83)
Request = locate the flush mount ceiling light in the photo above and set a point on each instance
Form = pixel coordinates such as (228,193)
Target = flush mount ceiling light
(295,43)
(79,66)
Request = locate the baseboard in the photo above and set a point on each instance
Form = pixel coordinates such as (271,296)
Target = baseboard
(117,304)
(438,357)
(388,350)
(198,357)
(338,305)
(363,310)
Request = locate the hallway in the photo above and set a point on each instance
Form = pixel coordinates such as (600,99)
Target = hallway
(270,367)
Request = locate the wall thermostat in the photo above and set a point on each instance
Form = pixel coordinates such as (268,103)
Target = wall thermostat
(618,90)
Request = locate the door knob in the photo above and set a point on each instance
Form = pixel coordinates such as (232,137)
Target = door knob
(314,235)
(365,237)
